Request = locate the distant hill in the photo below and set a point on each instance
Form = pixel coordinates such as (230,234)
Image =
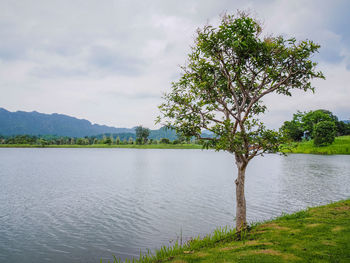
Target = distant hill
(35,123)
(52,125)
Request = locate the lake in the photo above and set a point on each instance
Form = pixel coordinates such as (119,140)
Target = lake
(81,205)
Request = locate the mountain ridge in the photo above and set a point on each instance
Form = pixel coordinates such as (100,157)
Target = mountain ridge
(41,124)
(36,123)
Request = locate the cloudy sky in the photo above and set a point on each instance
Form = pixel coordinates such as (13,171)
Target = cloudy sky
(110,61)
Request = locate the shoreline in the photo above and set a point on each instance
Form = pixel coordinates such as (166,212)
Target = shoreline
(341,146)
(126,146)
(295,150)
(319,233)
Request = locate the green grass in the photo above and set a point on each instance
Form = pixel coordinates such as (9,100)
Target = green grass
(320,234)
(132,146)
(341,145)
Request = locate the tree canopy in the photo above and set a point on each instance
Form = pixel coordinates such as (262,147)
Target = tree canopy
(311,118)
(324,133)
(229,70)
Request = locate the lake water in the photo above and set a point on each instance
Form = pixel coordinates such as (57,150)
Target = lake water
(81,205)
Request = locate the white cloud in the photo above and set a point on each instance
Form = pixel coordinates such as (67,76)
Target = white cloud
(110,61)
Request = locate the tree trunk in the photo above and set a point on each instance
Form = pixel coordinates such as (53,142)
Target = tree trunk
(241,213)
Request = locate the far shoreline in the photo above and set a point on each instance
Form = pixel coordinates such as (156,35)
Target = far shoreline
(114,146)
(341,146)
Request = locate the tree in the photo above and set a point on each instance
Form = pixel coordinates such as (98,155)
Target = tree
(164,141)
(324,133)
(112,139)
(229,70)
(107,141)
(341,128)
(293,129)
(142,134)
(80,141)
(347,129)
(311,118)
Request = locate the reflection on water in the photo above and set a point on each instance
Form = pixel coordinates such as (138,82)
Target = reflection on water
(81,205)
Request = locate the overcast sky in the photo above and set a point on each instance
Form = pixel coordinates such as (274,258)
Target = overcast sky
(111,61)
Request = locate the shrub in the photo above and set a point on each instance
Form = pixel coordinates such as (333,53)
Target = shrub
(324,133)
(165,141)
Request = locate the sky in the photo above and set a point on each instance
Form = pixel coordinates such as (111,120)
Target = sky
(110,62)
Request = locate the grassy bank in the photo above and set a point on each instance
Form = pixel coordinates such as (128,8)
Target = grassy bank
(341,145)
(320,234)
(129,146)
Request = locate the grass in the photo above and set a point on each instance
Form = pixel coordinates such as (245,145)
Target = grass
(341,145)
(129,146)
(320,234)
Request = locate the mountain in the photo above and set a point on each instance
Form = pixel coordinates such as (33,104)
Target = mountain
(35,123)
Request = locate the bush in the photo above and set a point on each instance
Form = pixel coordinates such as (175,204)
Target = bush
(176,142)
(293,130)
(324,133)
(107,141)
(81,141)
(164,141)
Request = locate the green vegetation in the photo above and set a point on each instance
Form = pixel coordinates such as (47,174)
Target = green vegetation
(320,234)
(320,125)
(324,133)
(130,146)
(142,135)
(341,145)
(103,140)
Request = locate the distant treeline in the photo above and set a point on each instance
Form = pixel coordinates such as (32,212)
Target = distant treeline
(110,139)
(141,136)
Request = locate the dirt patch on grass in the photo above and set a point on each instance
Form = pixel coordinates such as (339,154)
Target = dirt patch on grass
(258,231)
(201,254)
(249,243)
(342,208)
(294,231)
(227,248)
(267,251)
(274,226)
(328,243)
(297,246)
(272,252)
(337,228)
(313,225)
(231,246)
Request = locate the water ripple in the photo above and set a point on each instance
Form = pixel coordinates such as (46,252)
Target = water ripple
(83,205)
